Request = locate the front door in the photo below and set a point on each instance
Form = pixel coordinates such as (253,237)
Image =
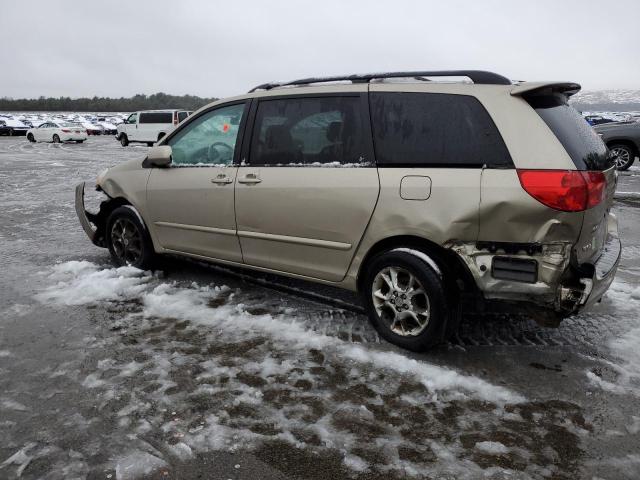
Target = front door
(304,200)
(192,202)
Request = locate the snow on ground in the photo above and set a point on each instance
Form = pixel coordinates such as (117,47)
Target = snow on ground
(624,347)
(208,368)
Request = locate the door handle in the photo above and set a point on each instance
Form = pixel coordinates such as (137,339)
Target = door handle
(221,179)
(250,178)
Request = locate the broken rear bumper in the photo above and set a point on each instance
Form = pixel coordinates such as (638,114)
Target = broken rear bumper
(605,271)
(83,215)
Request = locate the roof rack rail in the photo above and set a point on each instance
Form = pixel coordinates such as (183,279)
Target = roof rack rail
(477,76)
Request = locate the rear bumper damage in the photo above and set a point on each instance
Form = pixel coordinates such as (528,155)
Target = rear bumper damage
(542,276)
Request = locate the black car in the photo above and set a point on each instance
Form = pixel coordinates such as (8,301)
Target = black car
(12,127)
(623,140)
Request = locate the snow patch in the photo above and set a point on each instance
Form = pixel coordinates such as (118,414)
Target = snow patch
(136,465)
(82,282)
(491,448)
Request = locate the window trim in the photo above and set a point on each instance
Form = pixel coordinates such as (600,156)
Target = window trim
(193,117)
(475,166)
(368,151)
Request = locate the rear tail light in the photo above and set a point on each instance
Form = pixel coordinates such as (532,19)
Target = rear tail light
(564,190)
(65,130)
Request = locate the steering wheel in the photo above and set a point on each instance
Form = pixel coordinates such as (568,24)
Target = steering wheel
(214,154)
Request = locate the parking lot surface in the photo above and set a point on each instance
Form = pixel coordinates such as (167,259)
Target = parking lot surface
(201,372)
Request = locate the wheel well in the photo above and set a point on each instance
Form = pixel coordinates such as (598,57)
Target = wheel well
(627,143)
(100,219)
(456,275)
(161,135)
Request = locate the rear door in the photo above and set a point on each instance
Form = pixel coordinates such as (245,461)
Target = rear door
(191,203)
(307,192)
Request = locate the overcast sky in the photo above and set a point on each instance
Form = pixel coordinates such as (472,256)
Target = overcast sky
(222,48)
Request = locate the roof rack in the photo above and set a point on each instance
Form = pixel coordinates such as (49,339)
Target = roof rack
(477,76)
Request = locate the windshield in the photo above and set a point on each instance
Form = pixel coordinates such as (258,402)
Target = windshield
(581,142)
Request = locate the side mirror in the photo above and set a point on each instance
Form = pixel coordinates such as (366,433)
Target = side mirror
(159,156)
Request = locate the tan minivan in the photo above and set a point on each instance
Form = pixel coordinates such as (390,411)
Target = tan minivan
(420,194)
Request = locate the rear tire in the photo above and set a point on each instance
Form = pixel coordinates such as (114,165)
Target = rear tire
(124,141)
(149,144)
(79,141)
(405,301)
(128,240)
(30,138)
(56,139)
(624,155)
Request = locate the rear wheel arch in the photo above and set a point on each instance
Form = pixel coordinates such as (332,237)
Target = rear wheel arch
(455,274)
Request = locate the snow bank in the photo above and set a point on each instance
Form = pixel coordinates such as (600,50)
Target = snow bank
(82,282)
(491,448)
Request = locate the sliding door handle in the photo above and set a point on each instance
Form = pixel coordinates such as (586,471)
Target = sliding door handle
(250,178)
(221,180)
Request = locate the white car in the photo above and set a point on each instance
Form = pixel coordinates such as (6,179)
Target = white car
(56,132)
(149,126)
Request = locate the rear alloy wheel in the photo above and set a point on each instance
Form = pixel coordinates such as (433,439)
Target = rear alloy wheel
(623,155)
(124,141)
(56,139)
(405,300)
(128,240)
(30,138)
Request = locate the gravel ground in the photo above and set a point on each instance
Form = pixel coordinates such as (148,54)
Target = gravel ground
(202,372)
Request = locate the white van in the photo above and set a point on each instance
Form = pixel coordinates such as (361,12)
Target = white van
(149,126)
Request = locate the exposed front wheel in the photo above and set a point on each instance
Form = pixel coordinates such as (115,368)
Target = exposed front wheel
(623,156)
(405,300)
(124,141)
(128,240)
(30,138)
(56,139)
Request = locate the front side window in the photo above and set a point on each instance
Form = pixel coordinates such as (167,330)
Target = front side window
(132,118)
(435,130)
(308,131)
(209,139)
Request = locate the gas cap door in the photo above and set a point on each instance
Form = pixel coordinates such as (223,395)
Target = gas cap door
(415,187)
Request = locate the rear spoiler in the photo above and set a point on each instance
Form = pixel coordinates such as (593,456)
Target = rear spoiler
(566,88)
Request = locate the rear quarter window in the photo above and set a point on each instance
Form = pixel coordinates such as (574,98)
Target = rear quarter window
(435,130)
(156,117)
(578,138)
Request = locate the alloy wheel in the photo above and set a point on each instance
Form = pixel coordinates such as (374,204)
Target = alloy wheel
(621,156)
(401,301)
(127,241)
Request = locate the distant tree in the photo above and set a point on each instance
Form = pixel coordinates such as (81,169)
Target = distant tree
(139,101)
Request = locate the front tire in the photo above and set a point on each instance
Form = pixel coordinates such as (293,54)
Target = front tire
(31,138)
(56,139)
(79,141)
(124,141)
(405,301)
(128,240)
(623,155)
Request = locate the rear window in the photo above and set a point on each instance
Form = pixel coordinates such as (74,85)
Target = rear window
(435,130)
(581,142)
(156,117)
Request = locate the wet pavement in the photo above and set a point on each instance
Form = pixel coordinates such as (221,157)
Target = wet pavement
(201,372)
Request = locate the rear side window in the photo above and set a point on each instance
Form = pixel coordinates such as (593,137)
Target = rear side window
(435,130)
(581,142)
(156,117)
(308,131)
